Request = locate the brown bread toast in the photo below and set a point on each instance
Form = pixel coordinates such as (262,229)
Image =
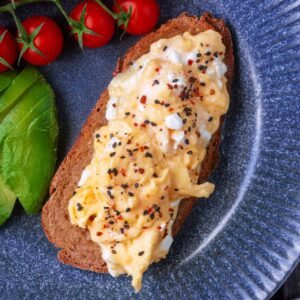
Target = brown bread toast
(77,248)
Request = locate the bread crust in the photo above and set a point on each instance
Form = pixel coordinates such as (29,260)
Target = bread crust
(77,248)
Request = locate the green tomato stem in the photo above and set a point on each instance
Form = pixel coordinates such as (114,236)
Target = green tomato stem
(61,9)
(115,16)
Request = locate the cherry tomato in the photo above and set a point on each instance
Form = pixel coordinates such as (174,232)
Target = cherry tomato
(8,48)
(97,20)
(49,41)
(144,15)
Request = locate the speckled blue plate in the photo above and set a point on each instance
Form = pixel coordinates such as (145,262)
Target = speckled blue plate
(242,242)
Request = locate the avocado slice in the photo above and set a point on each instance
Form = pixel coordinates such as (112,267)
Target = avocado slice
(6,79)
(20,85)
(28,141)
(7,202)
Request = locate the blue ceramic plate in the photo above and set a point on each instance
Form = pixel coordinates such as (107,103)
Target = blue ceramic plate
(245,240)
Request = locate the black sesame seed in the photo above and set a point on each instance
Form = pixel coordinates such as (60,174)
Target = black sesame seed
(97,135)
(141,253)
(155,81)
(198,54)
(210,119)
(202,67)
(153,124)
(127,113)
(152,215)
(131,194)
(136,185)
(167,104)
(165,48)
(114,145)
(113,251)
(156,101)
(111,222)
(148,154)
(128,209)
(110,195)
(122,157)
(190,152)
(187,141)
(147,122)
(202,83)
(175,80)
(124,185)
(79,207)
(208,53)
(112,154)
(122,230)
(155,175)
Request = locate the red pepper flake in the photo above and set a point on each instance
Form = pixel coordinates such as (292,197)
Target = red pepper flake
(143,125)
(157,69)
(120,217)
(141,170)
(158,227)
(192,102)
(92,218)
(171,209)
(135,124)
(212,92)
(143,99)
(149,210)
(99,233)
(190,62)
(106,225)
(123,172)
(115,73)
(171,109)
(170,87)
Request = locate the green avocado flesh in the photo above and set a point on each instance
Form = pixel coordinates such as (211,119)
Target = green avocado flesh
(7,202)
(28,141)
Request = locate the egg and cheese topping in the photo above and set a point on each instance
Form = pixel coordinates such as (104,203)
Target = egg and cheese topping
(161,115)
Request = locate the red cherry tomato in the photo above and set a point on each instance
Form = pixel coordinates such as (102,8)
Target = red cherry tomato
(144,15)
(97,20)
(49,41)
(8,49)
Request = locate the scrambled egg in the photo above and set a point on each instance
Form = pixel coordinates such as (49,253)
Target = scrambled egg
(161,114)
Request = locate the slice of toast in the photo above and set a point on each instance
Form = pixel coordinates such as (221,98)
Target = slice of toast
(77,248)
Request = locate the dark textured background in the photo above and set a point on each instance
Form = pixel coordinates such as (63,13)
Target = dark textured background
(249,230)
